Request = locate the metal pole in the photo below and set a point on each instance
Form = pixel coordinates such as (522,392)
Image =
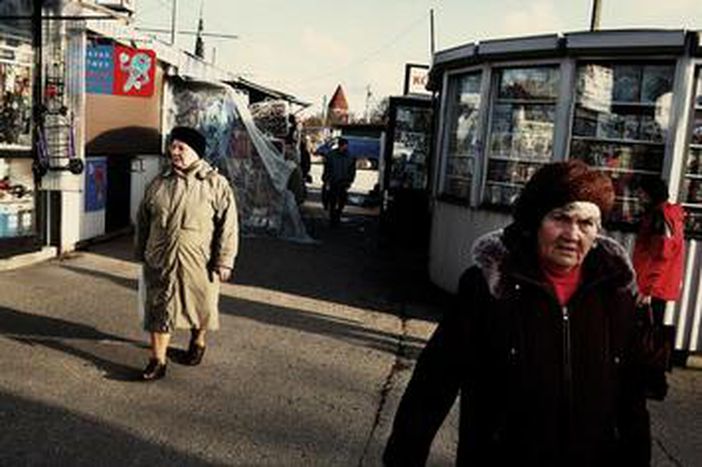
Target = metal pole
(174,21)
(595,16)
(431,33)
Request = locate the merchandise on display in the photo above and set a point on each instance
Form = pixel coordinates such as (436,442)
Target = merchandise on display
(16,198)
(254,166)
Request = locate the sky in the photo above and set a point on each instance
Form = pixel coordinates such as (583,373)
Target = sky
(308,47)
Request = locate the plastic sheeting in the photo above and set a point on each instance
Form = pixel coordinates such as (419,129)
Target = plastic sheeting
(256,169)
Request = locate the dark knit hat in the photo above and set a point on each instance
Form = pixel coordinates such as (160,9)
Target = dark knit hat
(557,184)
(191,137)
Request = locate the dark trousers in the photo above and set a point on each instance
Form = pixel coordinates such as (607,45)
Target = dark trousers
(658,309)
(337,201)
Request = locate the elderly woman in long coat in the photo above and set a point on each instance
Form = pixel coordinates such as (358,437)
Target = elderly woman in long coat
(187,239)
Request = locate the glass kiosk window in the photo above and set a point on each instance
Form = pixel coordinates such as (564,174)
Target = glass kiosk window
(521,130)
(691,194)
(410,148)
(463,108)
(620,125)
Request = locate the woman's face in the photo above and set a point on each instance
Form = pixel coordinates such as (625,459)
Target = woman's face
(182,155)
(567,234)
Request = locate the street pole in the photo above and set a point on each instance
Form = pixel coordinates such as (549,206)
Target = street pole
(595,16)
(432,40)
(174,21)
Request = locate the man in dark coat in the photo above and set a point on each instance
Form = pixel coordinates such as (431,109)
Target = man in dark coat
(543,349)
(339,173)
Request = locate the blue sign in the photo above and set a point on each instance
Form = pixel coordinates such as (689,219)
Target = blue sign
(95,184)
(99,69)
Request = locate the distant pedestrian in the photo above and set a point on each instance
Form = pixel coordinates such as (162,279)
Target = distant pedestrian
(339,173)
(187,239)
(659,250)
(542,348)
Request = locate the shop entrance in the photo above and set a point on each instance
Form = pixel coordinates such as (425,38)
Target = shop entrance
(118,193)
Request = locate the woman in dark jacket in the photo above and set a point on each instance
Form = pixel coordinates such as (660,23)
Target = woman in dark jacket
(544,352)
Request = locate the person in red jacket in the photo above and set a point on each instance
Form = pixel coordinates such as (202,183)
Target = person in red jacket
(659,250)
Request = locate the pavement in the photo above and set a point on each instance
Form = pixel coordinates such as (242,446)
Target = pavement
(317,344)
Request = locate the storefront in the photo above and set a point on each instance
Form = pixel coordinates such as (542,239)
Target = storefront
(628,102)
(18,194)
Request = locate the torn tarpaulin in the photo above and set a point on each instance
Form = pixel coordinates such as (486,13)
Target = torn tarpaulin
(257,170)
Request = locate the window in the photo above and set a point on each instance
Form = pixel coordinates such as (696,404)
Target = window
(462,148)
(621,124)
(15,94)
(691,194)
(410,150)
(521,130)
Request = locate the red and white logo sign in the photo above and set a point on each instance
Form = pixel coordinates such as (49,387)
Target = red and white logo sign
(135,71)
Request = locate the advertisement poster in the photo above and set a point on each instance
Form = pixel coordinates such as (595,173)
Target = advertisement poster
(95,184)
(99,69)
(120,70)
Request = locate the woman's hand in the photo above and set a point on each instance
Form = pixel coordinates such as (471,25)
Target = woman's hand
(643,300)
(224,273)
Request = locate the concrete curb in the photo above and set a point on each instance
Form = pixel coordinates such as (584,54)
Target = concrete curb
(27,259)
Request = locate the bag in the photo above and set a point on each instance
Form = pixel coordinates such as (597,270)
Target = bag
(141,293)
(657,342)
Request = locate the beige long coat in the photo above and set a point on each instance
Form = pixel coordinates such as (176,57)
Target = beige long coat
(186,227)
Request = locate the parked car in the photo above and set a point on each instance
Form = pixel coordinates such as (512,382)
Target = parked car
(366,150)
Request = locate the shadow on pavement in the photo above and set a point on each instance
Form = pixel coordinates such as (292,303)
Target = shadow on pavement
(52,333)
(350,265)
(41,434)
(121,281)
(321,324)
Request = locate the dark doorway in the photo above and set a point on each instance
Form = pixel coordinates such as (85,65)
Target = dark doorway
(118,193)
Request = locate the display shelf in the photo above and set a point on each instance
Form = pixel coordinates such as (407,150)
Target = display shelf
(695,146)
(693,176)
(504,184)
(692,205)
(525,160)
(628,171)
(511,100)
(620,140)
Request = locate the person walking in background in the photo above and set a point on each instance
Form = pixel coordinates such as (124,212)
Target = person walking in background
(543,349)
(339,173)
(187,240)
(659,250)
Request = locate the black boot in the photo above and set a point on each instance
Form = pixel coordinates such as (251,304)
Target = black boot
(154,370)
(195,351)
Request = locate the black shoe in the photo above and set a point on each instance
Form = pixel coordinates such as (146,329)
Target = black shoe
(195,354)
(154,370)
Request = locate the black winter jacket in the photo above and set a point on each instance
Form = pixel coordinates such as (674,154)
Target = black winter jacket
(540,384)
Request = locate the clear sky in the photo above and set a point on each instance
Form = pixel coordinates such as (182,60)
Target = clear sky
(308,47)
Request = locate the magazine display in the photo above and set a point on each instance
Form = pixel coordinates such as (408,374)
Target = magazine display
(691,192)
(464,105)
(620,124)
(521,131)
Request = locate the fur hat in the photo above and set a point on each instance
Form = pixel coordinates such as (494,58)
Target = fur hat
(557,184)
(191,137)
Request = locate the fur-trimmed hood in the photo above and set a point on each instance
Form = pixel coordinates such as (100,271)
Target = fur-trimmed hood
(492,256)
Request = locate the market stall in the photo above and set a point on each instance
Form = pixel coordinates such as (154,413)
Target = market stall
(255,166)
(627,102)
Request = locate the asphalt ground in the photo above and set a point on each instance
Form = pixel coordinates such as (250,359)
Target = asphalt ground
(317,344)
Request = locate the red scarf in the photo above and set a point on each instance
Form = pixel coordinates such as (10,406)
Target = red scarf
(564,283)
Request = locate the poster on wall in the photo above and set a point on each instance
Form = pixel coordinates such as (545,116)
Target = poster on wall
(95,184)
(120,70)
(99,69)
